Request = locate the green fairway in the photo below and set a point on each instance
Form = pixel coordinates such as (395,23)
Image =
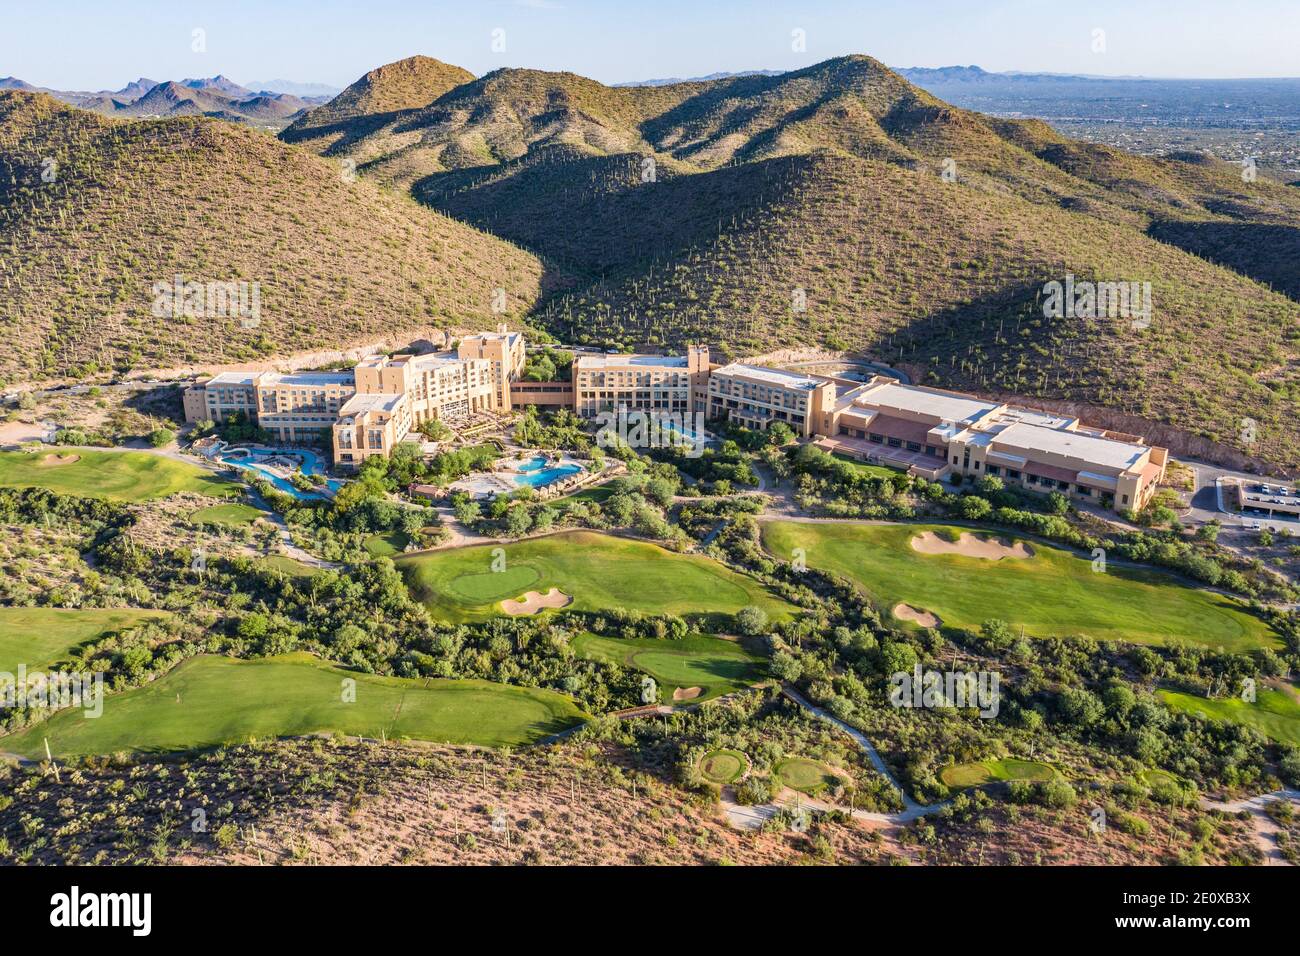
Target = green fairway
(118,475)
(38,636)
(598,571)
(806,776)
(723,766)
(207,701)
(386,545)
(1053,593)
(981,772)
(713,665)
(1275,713)
(230,514)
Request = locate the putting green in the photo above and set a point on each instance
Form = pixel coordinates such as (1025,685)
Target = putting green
(599,571)
(118,475)
(723,766)
(38,636)
(207,701)
(231,514)
(386,545)
(711,664)
(959,776)
(1052,593)
(806,776)
(1274,713)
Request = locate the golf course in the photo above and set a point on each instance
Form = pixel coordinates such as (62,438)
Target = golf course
(807,776)
(233,514)
(1052,592)
(694,668)
(40,636)
(600,572)
(1274,713)
(207,701)
(980,772)
(116,475)
(723,766)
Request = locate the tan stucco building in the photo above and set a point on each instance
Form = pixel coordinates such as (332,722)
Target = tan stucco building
(927,431)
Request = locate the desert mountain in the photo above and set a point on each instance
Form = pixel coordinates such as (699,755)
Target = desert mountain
(915,231)
(364,106)
(95,212)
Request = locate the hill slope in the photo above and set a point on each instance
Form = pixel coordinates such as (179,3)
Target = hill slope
(831,180)
(132,204)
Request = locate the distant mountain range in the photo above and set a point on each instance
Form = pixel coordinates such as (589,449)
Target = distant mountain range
(701,79)
(271,106)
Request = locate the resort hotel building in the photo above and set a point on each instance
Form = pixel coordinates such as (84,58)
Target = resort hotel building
(925,431)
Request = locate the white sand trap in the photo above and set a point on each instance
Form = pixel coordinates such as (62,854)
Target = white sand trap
(905,612)
(532,602)
(686,693)
(51,461)
(967,544)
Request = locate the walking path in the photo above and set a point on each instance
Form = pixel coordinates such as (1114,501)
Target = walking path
(1265,829)
(753,817)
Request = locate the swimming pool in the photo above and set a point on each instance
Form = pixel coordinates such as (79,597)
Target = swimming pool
(532,464)
(538,479)
(251,459)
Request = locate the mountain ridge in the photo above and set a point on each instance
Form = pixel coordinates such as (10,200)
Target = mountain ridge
(684,210)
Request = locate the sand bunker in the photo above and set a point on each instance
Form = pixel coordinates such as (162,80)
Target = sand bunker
(991,549)
(686,693)
(532,602)
(905,612)
(50,461)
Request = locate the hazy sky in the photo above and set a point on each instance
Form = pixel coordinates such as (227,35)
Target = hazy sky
(101,44)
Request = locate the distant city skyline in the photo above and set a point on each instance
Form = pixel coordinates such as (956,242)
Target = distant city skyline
(84,45)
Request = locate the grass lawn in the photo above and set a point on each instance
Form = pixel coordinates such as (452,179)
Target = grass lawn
(229,514)
(1053,593)
(723,766)
(207,701)
(863,468)
(386,545)
(594,493)
(806,776)
(1275,713)
(38,636)
(598,571)
(980,772)
(714,665)
(118,475)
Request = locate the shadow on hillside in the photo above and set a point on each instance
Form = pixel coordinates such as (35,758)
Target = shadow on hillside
(594,215)
(1266,252)
(350,131)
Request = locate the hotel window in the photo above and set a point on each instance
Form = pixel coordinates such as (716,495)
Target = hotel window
(992,469)
(1012,473)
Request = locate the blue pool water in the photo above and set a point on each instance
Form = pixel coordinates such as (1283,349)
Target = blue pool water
(537,479)
(311,465)
(532,464)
